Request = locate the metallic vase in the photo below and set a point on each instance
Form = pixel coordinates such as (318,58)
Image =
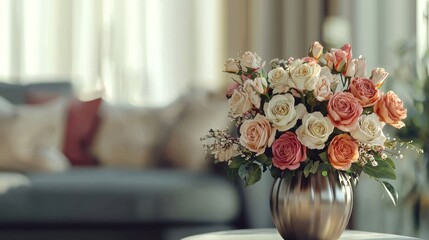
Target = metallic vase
(315,207)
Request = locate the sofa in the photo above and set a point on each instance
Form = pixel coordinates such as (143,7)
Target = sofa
(73,169)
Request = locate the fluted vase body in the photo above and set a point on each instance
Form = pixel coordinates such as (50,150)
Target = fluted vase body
(313,207)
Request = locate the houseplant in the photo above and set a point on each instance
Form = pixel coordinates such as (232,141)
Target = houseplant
(316,123)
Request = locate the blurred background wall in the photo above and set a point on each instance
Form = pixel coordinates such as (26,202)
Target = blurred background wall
(152,52)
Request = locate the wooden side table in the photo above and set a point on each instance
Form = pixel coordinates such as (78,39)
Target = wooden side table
(271,234)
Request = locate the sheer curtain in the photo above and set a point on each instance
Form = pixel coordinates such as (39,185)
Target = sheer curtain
(139,52)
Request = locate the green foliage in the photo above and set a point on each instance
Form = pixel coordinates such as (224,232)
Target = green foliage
(390,191)
(382,170)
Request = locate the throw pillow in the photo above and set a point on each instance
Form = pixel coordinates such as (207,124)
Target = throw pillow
(32,137)
(129,137)
(82,123)
(183,149)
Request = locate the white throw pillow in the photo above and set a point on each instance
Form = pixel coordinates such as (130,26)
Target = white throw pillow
(32,136)
(129,136)
(184,148)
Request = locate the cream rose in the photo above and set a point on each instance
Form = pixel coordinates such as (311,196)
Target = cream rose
(378,76)
(390,109)
(231,66)
(360,67)
(304,75)
(343,151)
(250,60)
(239,103)
(282,112)
(257,134)
(315,130)
(253,95)
(322,91)
(316,50)
(260,84)
(369,130)
(278,79)
(344,111)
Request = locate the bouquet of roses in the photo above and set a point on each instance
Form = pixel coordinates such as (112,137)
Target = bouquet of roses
(317,113)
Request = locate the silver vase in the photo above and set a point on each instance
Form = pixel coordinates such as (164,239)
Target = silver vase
(315,207)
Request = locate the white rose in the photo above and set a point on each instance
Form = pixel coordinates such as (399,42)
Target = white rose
(369,130)
(378,76)
(260,84)
(253,96)
(304,75)
(250,60)
(322,91)
(315,130)
(239,103)
(282,112)
(231,66)
(278,79)
(360,67)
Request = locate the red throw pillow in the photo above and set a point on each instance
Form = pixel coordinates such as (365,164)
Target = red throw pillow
(81,126)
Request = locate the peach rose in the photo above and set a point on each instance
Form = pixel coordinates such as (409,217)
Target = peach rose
(343,151)
(257,134)
(390,109)
(344,111)
(288,152)
(364,91)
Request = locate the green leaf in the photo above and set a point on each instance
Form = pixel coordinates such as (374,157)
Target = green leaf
(275,172)
(383,170)
(242,171)
(263,159)
(315,167)
(390,191)
(307,169)
(390,162)
(231,173)
(324,157)
(253,174)
(236,162)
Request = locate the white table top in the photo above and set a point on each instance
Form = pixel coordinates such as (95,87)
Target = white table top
(271,234)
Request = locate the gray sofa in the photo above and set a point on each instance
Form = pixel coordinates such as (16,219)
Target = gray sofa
(114,203)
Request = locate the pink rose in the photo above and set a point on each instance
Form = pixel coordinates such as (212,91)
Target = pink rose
(336,60)
(343,151)
(364,91)
(257,134)
(231,88)
(288,152)
(348,49)
(390,109)
(344,111)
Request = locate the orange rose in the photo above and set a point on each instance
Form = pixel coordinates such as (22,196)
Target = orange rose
(344,111)
(365,91)
(257,134)
(390,109)
(343,151)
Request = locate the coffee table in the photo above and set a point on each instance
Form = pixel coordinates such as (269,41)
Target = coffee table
(271,234)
